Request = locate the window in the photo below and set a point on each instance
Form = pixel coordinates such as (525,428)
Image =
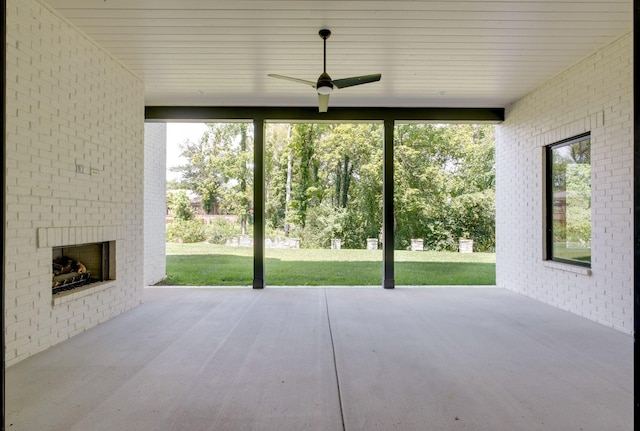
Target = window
(569,201)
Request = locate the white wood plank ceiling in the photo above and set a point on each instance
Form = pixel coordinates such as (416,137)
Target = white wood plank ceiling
(459,53)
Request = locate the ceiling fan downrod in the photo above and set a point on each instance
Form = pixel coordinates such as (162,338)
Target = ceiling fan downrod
(324,34)
(324,85)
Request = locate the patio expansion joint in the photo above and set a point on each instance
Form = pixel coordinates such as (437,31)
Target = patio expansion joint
(335,362)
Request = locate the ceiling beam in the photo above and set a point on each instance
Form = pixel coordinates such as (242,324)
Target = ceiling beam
(231,113)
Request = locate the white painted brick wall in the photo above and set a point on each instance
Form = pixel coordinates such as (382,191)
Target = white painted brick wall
(596,95)
(155,163)
(68,102)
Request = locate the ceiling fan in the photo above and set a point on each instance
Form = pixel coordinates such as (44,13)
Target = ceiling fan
(325,85)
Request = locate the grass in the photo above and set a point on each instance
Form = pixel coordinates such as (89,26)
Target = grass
(575,254)
(203,264)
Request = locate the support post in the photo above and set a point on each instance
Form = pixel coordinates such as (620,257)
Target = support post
(258,203)
(388,218)
(636,183)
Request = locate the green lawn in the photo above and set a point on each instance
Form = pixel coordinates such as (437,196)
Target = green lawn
(204,264)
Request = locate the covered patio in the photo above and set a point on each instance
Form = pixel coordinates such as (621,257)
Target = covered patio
(482,359)
(89,86)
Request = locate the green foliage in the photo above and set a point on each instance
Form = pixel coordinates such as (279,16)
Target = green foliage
(473,216)
(324,181)
(325,222)
(219,169)
(278,168)
(578,203)
(185,231)
(180,205)
(444,188)
(220,230)
(304,190)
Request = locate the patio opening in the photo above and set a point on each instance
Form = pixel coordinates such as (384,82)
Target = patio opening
(323,188)
(323,204)
(444,202)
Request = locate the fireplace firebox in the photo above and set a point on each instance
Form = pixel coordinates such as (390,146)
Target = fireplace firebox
(78,266)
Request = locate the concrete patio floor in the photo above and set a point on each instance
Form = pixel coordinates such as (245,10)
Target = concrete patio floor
(330,359)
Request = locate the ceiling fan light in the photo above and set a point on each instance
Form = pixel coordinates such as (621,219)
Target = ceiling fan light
(325,89)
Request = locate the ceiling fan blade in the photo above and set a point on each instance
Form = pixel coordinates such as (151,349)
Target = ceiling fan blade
(288,78)
(324,85)
(323,102)
(356,80)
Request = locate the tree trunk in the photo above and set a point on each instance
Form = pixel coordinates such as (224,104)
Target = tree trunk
(346,181)
(243,180)
(287,196)
(338,193)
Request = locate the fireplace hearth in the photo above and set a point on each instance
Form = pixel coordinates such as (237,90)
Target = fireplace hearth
(65,282)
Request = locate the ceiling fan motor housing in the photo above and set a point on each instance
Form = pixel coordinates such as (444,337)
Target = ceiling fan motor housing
(324,84)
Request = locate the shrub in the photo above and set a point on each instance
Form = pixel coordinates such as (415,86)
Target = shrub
(324,222)
(185,231)
(220,230)
(180,206)
(473,216)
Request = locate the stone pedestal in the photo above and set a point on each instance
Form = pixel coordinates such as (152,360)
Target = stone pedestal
(417,244)
(465,245)
(336,243)
(372,243)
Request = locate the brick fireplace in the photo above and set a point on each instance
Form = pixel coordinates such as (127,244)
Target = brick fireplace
(74,175)
(81,265)
(83,259)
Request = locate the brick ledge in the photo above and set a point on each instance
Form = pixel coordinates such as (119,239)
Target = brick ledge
(72,295)
(60,236)
(567,267)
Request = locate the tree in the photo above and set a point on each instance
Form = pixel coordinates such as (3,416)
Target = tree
(320,180)
(352,154)
(577,223)
(445,182)
(278,165)
(219,169)
(423,157)
(325,180)
(236,196)
(305,167)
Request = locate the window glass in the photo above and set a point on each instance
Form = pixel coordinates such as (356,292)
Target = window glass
(569,201)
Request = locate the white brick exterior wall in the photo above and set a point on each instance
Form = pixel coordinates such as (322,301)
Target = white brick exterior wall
(155,163)
(594,96)
(68,103)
